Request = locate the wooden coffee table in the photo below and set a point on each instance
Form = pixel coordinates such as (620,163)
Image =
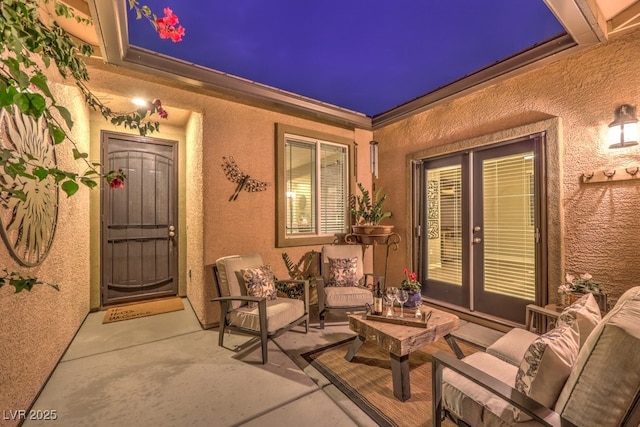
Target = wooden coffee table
(401,340)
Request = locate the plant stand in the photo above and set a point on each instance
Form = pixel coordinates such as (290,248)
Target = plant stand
(389,240)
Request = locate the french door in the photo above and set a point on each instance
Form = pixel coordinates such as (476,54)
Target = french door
(139,222)
(481,211)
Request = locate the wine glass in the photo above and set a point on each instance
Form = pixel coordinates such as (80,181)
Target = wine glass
(390,296)
(402,296)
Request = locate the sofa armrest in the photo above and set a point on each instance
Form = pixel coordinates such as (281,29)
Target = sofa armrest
(544,315)
(440,360)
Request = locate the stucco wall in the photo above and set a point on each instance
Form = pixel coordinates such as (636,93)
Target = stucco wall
(601,223)
(37,326)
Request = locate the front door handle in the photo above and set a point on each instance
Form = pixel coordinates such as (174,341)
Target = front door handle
(477,240)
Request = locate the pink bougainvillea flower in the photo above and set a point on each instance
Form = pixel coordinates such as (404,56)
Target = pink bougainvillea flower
(167,26)
(169,18)
(161,111)
(116,183)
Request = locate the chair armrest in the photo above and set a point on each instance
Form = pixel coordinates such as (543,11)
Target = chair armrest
(544,313)
(374,280)
(245,298)
(538,412)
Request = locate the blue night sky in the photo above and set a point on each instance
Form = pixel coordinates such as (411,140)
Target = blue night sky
(364,55)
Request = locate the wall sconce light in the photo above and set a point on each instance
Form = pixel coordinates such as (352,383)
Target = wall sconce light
(623,131)
(373,156)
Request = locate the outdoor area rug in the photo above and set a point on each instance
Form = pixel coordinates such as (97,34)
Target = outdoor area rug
(366,380)
(143,309)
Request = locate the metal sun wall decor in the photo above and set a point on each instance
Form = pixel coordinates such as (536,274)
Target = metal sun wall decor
(234,174)
(28,225)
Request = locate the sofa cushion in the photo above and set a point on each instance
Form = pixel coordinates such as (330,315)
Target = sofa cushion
(342,272)
(546,365)
(474,404)
(259,282)
(280,312)
(512,346)
(605,380)
(586,312)
(347,296)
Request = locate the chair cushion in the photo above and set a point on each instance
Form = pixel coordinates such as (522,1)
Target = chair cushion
(347,296)
(231,282)
(546,365)
(280,312)
(259,282)
(342,272)
(586,312)
(512,346)
(605,380)
(473,403)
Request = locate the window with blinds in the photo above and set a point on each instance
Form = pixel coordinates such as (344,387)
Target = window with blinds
(509,229)
(316,179)
(444,224)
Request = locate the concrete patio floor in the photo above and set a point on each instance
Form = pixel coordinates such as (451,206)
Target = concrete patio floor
(165,370)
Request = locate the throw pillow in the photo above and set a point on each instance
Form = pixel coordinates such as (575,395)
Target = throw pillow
(342,272)
(260,282)
(586,312)
(546,366)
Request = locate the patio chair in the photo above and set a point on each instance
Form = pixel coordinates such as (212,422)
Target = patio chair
(343,285)
(249,302)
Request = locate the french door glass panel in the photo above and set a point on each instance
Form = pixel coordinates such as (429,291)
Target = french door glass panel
(444,224)
(509,232)
(444,266)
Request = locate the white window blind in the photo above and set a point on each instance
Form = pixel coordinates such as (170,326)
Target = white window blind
(444,224)
(509,233)
(317,187)
(300,181)
(333,188)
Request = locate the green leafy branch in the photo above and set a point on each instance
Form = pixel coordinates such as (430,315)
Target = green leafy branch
(21,282)
(24,85)
(30,42)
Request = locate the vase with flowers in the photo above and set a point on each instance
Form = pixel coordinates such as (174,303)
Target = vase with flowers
(412,286)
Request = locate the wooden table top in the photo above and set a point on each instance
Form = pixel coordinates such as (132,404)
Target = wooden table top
(401,340)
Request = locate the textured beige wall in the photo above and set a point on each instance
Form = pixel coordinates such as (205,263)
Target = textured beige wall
(196,272)
(37,326)
(601,224)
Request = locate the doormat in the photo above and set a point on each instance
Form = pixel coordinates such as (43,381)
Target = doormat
(150,308)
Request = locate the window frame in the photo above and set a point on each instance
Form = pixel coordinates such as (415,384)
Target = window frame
(282,240)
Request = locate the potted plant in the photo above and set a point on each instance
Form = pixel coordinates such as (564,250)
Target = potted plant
(412,286)
(578,286)
(368,213)
(307,268)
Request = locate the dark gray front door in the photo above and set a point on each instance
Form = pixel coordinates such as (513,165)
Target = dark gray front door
(139,221)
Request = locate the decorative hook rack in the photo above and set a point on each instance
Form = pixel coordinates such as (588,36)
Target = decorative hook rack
(610,175)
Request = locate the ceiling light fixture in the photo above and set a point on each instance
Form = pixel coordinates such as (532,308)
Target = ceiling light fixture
(140,102)
(623,131)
